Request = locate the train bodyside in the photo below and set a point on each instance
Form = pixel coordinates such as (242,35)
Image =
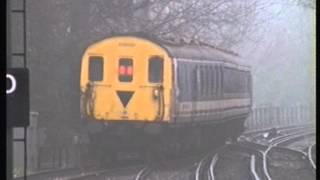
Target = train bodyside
(210,86)
(197,83)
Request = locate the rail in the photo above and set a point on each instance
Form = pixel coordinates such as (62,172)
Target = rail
(197,174)
(313,164)
(253,167)
(143,173)
(212,165)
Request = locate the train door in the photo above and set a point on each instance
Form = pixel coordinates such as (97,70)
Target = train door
(95,76)
(156,87)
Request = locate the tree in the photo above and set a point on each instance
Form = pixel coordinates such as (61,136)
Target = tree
(305,3)
(221,22)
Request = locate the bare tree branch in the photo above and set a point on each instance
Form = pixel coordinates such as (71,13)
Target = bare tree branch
(222,22)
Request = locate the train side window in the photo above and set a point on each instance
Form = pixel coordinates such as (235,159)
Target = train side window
(180,79)
(247,82)
(207,84)
(244,79)
(212,81)
(209,77)
(200,92)
(201,82)
(235,82)
(249,85)
(155,69)
(198,81)
(218,79)
(230,82)
(185,80)
(204,81)
(95,68)
(125,69)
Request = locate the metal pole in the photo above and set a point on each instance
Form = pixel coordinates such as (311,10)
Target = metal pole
(9,173)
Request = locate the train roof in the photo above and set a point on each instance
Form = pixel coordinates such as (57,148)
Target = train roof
(192,50)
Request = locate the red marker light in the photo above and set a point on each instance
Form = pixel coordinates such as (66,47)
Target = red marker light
(129,71)
(122,70)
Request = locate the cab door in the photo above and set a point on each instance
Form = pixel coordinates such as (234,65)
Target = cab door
(156,88)
(95,79)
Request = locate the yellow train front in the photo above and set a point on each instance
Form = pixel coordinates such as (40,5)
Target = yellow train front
(126,79)
(158,94)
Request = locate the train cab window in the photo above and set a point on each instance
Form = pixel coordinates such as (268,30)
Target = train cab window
(125,70)
(155,69)
(95,68)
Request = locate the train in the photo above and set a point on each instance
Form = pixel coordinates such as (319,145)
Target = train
(142,89)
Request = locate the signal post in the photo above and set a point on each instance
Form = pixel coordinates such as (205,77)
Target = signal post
(17,92)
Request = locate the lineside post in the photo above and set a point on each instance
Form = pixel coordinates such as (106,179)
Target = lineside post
(9,153)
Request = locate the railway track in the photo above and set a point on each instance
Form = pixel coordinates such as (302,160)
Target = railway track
(269,160)
(312,156)
(201,170)
(286,163)
(143,173)
(51,174)
(85,174)
(281,129)
(242,160)
(281,162)
(233,161)
(116,173)
(284,139)
(250,160)
(174,169)
(269,135)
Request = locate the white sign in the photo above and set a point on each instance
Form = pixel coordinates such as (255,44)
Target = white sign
(13,83)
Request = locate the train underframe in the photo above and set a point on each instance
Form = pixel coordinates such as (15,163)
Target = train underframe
(116,142)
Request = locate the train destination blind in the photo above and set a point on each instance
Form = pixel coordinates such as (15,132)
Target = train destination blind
(17,95)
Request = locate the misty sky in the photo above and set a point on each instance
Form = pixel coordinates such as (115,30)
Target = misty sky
(282,56)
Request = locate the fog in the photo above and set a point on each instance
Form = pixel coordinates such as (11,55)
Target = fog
(282,56)
(276,38)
